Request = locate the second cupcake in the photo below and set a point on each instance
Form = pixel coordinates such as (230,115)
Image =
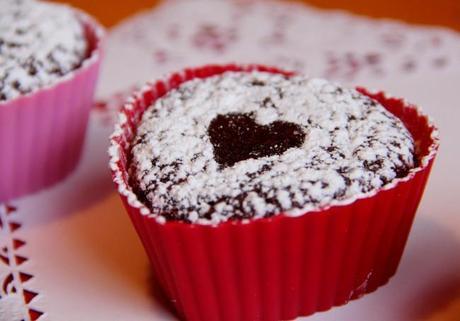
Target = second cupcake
(49,63)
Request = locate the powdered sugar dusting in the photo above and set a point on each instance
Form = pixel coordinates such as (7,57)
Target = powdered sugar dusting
(39,43)
(352,146)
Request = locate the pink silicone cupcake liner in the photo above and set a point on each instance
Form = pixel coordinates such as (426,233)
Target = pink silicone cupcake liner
(42,133)
(282,267)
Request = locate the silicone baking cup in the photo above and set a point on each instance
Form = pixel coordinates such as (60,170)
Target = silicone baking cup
(42,133)
(281,267)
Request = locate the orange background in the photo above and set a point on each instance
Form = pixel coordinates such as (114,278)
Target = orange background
(439,12)
(432,12)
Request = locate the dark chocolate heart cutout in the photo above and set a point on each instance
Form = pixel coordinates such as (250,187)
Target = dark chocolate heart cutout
(236,137)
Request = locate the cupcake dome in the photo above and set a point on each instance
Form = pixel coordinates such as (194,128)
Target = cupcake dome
(39,43)
(251,145)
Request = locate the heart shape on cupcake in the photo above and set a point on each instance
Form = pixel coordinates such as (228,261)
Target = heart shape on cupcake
(237,137)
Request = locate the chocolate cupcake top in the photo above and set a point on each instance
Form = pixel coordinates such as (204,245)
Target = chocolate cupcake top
(39,43)
(248,145)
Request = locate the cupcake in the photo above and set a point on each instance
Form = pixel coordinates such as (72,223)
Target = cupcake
(259,194)
(49,62)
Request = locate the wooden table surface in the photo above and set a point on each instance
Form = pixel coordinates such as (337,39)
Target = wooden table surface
(431,12)
(435,12)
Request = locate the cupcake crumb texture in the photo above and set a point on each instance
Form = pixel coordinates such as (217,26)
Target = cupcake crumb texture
(39,43)
(249,145)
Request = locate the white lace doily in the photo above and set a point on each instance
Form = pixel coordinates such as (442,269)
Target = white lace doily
(70,253)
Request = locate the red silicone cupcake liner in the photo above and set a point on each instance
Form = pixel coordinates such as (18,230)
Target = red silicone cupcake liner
(42,133)
(281,267)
